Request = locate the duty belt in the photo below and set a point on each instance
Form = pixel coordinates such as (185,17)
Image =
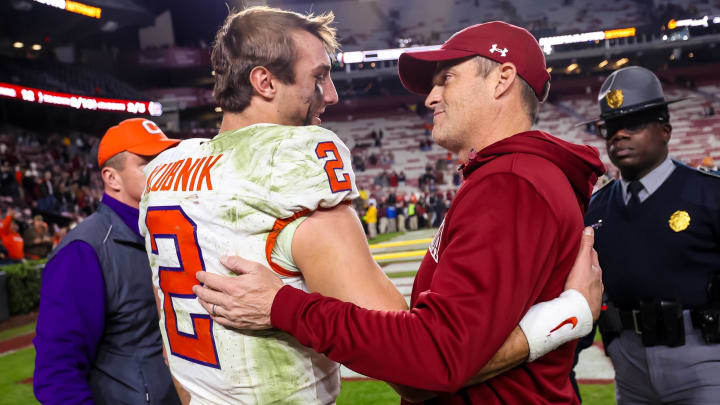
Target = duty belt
(664,325)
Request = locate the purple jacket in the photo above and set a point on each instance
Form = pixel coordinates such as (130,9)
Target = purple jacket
(71,318)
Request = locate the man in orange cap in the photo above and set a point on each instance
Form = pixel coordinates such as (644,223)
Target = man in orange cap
(97,332)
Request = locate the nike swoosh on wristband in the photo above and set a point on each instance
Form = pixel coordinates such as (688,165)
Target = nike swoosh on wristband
(570,321)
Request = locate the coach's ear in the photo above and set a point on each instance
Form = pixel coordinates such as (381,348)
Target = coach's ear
(263,82)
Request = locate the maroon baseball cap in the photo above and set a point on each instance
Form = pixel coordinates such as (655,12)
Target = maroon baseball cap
(496,40)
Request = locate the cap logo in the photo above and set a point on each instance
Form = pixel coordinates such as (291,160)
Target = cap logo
(614,98)
(496,49)
(151,127)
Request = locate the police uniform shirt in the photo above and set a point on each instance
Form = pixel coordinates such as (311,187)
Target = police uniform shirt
(651,182)
(666,248)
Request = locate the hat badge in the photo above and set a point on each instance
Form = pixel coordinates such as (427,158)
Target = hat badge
(679,221)
(614,98)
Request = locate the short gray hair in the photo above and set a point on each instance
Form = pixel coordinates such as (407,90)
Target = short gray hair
(532,104)
(117,162)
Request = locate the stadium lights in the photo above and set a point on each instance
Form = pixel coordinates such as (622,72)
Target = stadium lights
(549,69)
(378,55)
(79,102)
(218,109)
(36,47)
(603,63)
(18,45)
(572,67)
(73,7)
(546,43)
(620,33)
(621,62)
(690,22)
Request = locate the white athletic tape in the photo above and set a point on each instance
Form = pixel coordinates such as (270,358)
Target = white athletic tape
(549,325)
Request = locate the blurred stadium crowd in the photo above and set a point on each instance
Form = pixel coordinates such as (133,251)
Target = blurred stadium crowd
(47,166)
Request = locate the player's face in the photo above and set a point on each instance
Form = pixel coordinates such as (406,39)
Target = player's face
(637,149)
(302,103)
(456,99)
(133,178)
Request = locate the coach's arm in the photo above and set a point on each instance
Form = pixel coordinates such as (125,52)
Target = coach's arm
(332,252)
(584,277)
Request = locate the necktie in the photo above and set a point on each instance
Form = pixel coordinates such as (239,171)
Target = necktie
(634,189)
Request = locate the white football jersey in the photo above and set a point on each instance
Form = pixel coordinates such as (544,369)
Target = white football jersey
(232,195)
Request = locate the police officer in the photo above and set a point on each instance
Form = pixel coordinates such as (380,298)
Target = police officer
(659,247)
(98,340)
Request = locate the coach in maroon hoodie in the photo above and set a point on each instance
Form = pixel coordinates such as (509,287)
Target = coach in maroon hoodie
(501,248)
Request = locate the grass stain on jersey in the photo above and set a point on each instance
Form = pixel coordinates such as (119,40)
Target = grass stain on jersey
(231,216)
(279,369)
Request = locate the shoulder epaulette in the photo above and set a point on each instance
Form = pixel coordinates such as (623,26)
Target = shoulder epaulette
(604,186)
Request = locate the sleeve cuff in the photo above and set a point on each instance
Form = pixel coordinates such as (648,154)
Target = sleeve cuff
(284,308)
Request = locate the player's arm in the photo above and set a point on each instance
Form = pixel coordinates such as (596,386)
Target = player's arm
(330,249)
(182,393)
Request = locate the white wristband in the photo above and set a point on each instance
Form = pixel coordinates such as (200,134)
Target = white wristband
(549,325)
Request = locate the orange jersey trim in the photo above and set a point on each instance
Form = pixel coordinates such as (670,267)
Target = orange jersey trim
(278,226)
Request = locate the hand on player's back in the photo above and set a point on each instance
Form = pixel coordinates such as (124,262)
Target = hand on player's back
(242,302)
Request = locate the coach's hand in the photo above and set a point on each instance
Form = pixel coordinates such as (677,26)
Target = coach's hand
(241,302)
(586,275)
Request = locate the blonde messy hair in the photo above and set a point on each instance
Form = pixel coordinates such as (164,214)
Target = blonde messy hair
(261,36)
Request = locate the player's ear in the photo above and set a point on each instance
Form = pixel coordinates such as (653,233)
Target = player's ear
(262,82)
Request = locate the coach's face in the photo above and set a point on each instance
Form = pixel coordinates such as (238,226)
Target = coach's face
(457,99)
(302,102)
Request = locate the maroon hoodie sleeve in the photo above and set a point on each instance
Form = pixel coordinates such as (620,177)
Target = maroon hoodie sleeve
(495,256)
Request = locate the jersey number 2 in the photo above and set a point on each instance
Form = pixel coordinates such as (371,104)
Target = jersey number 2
(177,282)
(336,163)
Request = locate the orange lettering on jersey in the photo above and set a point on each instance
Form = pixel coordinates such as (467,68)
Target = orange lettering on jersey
(161,180)
(205,173)
(155,171)
(195,173)
(159,177)
(167,183)
(184,173)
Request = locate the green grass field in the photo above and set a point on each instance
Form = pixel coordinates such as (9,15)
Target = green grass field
(384,237)
(379,393)
(402,274)
(20,330)
(15,367)
(18,366)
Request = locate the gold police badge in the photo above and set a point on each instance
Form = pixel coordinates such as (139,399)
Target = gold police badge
(679,221)
(614,98)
